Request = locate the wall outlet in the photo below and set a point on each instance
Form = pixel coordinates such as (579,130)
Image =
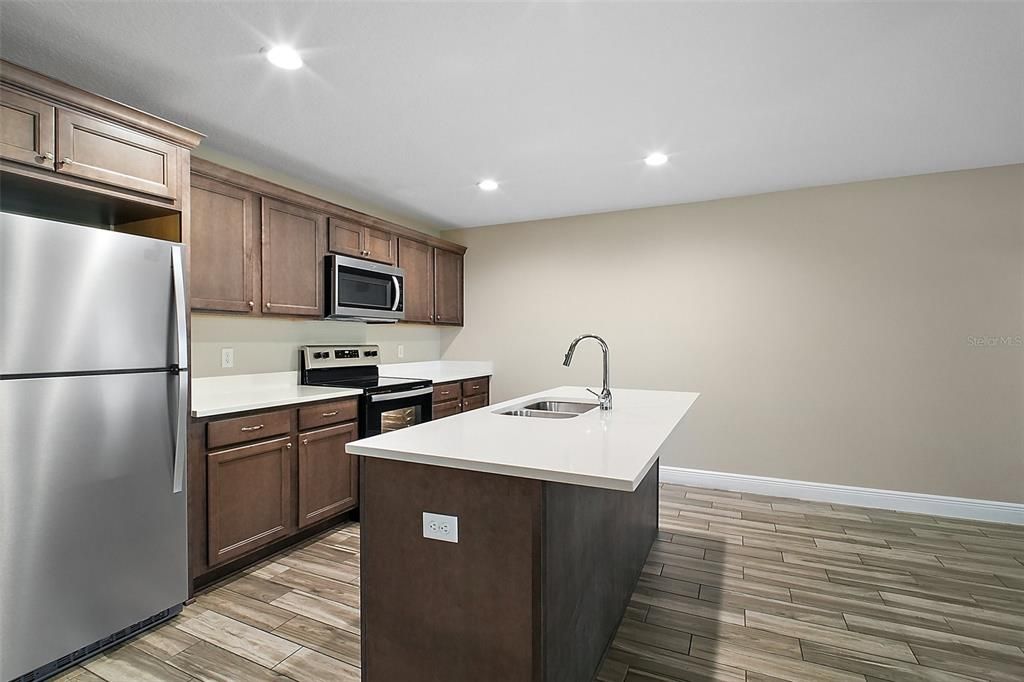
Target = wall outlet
(227,357)
(401,351)
(440,527)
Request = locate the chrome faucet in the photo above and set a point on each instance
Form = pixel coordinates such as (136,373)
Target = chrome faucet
(605,397)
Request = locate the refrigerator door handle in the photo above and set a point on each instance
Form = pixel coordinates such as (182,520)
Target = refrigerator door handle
(181,317)
(181,434)
(180,308)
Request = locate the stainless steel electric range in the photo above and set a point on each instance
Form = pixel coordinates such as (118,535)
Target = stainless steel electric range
(387,404)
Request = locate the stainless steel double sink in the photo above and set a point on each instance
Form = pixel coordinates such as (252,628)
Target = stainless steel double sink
(550,409)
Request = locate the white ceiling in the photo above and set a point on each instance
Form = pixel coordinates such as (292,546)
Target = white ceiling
(407,105)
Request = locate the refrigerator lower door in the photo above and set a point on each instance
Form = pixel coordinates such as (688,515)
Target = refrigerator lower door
(80,299)
(92,538)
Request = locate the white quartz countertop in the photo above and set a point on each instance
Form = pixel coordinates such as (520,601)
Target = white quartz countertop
(611,449)
(439,371)
(223,395)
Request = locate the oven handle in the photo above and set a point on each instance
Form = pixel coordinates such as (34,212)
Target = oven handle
(398,292)
(402,394)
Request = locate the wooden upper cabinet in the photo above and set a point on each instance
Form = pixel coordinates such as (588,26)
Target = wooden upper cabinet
(249,498)
(345,237)
(379,245)
(26,129)
(417,259)
(292,259)
(96,150)
(351,238)
(328,476)
(447,287)
(223,251)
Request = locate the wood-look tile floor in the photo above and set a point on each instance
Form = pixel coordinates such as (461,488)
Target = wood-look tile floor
(737,587)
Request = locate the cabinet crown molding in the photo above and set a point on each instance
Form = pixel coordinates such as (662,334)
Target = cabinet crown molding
(59,92)
(266,188)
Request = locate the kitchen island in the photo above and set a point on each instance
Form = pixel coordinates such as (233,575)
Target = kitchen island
(555,516)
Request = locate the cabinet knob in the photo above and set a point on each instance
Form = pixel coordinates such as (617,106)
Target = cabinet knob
(289,446)
(67,161)
(305,441)
(267,305)
(48,156)
(251,305)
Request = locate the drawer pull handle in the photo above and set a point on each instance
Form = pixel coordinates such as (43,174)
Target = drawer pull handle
(475,388)
(252,428)
(329,414)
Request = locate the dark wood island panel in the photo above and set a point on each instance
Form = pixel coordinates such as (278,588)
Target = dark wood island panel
(533,590)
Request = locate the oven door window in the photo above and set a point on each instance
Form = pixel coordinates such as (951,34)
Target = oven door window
(400,418)
(357,290)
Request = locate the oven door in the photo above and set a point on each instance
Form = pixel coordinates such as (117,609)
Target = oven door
(383,412)
(357,289)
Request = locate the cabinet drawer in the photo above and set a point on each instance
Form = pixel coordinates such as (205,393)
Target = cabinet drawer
(445,392)
(244,429)
(475,386)
(447,409)
(474,402)
(315,416)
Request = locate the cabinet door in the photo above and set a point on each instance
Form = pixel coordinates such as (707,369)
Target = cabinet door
(379,245)
(446,409)
(26,129)
(223,267)
(475,402)
(328,477)
(345,237)
(292,244)
(96,150)
(447,287)
(417,260)
(248,497)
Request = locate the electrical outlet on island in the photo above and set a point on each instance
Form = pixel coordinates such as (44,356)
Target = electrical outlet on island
(440,527)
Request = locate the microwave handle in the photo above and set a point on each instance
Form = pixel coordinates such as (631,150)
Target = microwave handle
(398,292)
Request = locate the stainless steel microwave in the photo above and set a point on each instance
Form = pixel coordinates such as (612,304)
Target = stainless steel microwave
(363,291)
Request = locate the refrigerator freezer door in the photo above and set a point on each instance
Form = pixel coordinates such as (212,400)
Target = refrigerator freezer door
(80,299)
(92,538)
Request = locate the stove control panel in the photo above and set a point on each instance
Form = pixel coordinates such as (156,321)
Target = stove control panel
(324,357)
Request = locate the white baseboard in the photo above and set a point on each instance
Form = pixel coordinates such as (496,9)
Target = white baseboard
(935,505)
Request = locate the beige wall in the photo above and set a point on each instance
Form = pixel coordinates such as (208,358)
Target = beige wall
(271,344)
(831,331)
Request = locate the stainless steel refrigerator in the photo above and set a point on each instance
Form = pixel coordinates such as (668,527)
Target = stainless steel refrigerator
(93,403)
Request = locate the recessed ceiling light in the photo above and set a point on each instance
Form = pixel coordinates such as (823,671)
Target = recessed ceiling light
(488,185)
(284,57)
(656,159)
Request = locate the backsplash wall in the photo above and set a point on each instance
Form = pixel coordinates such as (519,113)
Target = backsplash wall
(270,345)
